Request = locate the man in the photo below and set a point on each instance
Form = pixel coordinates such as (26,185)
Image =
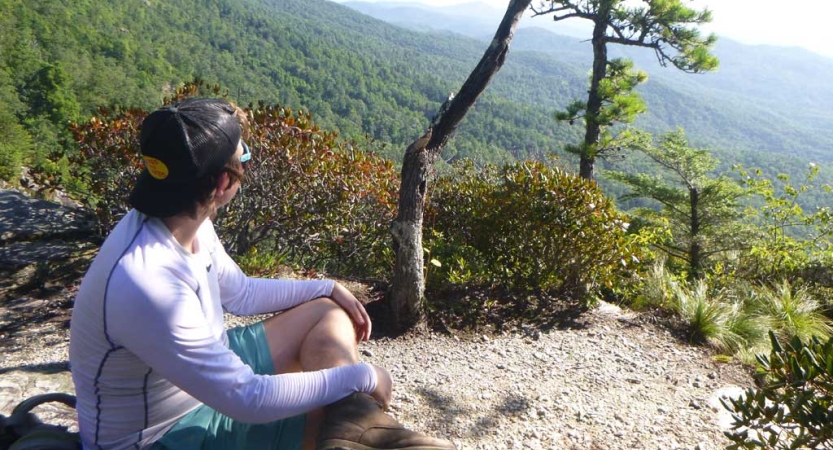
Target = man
(152,362)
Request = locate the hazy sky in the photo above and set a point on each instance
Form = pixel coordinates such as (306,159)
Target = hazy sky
(803,23)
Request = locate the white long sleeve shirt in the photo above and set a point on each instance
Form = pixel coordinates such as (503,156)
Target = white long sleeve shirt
(148,343)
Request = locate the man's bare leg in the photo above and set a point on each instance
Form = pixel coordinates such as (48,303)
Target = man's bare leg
(319,335)
(313,336)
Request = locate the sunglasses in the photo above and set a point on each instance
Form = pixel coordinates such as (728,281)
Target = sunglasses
(247,154)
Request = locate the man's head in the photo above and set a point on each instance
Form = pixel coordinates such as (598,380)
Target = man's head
(186,148)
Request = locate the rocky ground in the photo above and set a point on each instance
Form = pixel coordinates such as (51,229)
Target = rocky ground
(613,379)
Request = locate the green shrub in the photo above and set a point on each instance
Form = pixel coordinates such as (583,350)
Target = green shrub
(524,228)
(106,164)
(11,161)
(793,408)
(735,317)
(657,288)
(15,143)
(794,243)
(711,317)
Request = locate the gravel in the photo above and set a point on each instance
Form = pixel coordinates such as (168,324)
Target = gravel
(615,383)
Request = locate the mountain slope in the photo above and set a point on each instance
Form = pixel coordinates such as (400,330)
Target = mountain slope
(354,73)
(761,99)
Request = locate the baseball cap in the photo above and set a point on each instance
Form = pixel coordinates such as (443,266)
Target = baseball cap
(181,144)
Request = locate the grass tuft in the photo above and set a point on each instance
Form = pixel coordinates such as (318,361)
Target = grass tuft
(657,288)
(792,312)
(706,317)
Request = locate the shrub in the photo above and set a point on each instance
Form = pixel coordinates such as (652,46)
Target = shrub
(324,204)
(106,163)
(11,161)
(793,409)
(657,288)
(711,317)
(794,243)
(524,228)
(15,143)
(308,198)
(735,317)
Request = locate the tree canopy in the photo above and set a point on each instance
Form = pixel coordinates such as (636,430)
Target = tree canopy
(661,25)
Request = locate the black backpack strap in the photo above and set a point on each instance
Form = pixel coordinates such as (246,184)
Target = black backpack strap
(22,430)
(30,403)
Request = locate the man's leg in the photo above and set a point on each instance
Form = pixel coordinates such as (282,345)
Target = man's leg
(319,335)
(312,336)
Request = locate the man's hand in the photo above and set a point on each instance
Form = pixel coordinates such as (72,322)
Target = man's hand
(384,387)
(354,309)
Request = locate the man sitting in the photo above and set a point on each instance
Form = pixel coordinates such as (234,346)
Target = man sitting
(152,362)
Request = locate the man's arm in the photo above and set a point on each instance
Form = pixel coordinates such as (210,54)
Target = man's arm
(245,296)
(163,324)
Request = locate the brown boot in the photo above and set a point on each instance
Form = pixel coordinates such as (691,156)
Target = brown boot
(358,423)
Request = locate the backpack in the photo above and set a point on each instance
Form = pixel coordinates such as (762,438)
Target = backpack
(22,430)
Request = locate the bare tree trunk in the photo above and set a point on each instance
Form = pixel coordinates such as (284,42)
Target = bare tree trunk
(407,294)
(594,100)
(694,250)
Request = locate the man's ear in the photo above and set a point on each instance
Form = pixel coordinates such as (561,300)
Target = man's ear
(223,183)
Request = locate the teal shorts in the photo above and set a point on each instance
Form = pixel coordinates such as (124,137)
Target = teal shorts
(206,429)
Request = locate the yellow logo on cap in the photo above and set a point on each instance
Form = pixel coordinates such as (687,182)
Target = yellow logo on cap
(156,168)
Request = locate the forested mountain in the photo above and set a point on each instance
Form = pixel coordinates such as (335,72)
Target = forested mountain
(356,74)
(61,60)
(762,98)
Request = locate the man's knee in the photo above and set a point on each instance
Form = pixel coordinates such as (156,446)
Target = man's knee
(333,334)
(312,326)
(330,311)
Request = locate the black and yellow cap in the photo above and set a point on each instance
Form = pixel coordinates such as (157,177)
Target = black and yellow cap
(180,144)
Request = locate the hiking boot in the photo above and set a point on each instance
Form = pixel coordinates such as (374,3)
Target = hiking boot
(357,422)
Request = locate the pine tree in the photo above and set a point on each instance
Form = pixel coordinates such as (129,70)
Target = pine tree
(701,211)
(661,25)
(619,105)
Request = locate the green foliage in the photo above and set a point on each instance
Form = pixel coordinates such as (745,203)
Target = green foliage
(793,408)
(106,164)
(701,212)
(525,227)
(661,25)
(255,263)
(792,312)
(66,59)
(15,143)
(724,309)
(657,288)
(794,243)
(323,204)
(619,105)
(732,315)
(667,26)
(711,316)
(357,76)
(49,94)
